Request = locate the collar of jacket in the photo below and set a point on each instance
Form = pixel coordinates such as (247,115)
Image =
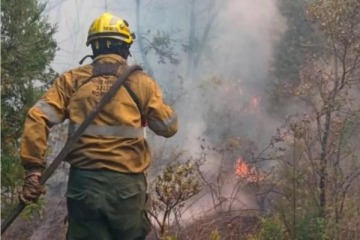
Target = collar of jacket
(110,58)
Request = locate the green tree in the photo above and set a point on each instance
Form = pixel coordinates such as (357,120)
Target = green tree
(27,48)
(299,42)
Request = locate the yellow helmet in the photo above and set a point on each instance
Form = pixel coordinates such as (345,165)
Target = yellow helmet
(109,26)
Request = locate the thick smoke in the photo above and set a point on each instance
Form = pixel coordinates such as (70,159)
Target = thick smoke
(221,95)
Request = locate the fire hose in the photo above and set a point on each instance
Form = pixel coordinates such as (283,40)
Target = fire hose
(71,140)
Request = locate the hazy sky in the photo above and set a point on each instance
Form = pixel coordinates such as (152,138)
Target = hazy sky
(239,23)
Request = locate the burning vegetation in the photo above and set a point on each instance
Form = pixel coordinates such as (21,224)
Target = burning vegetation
(249,174)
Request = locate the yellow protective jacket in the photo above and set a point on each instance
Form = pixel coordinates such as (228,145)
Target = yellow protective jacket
(115,139)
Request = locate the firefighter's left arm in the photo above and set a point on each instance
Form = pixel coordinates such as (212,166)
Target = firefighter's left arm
(47,112)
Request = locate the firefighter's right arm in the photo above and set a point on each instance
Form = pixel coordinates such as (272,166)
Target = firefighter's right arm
(48,111)
(161,118)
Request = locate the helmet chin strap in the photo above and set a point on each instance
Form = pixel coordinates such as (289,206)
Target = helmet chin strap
(83,59)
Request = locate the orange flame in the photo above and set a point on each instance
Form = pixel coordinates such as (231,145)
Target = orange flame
(243,170)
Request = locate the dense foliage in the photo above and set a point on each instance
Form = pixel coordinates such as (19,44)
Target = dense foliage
(27,48)
(318,177)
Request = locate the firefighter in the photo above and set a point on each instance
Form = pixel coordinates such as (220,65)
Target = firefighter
(106,191)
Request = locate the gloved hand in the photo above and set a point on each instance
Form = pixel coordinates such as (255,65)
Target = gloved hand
(32,188)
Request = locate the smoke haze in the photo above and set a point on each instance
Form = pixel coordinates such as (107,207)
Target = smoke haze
(218,97)
(219,89)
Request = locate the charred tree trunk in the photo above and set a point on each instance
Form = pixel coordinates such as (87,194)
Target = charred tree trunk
(329,109)
(323,165)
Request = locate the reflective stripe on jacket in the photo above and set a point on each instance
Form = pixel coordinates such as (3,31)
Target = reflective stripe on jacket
(115,139)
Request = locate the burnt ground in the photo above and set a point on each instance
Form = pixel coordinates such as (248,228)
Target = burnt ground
(233,225)
(48,225)
(229,225)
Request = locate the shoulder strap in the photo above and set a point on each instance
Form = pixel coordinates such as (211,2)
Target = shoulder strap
(100,69)
(135,98)
(105,69)
(106,98)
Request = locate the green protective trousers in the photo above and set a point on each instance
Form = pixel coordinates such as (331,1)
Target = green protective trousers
(106,205)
